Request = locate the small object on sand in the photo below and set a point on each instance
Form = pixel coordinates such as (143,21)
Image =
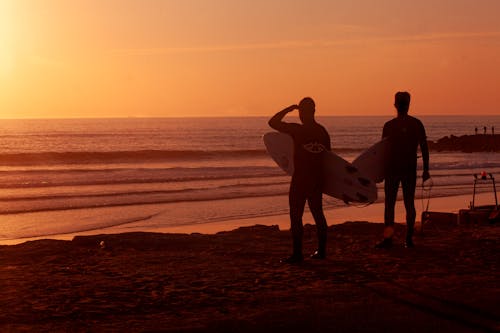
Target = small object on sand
(102,245)
(388,232)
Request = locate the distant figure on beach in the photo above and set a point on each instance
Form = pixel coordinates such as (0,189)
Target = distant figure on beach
(405,133)
(311,140)
(475,130)
(492,130)
(484,128)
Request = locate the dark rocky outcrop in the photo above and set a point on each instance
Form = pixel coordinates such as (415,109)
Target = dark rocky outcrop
(467,143)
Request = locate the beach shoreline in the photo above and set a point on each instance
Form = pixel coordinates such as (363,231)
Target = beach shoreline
(373,212)
(233,281)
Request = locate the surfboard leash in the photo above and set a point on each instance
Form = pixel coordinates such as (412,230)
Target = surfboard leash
(426,193)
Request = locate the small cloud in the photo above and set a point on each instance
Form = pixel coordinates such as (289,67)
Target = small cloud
(351,28)
(302,43)
(443,36)
(214,48)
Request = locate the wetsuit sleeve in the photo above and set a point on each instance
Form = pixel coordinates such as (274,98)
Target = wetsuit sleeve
(423,146)
(277,123)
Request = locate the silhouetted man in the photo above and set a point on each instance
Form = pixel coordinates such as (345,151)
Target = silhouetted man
(311,141)
(405,133)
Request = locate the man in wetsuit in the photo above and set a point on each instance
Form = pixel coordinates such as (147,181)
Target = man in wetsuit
(311,141)
(405,133)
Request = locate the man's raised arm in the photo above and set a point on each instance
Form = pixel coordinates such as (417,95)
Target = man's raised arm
(277,122)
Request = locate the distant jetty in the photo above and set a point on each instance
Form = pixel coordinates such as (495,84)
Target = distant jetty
(467,143)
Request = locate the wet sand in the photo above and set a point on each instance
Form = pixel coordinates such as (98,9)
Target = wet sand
(151,218)
(234,282)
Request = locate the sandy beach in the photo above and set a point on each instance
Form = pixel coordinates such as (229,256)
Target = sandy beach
(233,281)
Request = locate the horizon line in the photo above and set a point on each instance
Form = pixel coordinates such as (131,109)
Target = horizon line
(243,116)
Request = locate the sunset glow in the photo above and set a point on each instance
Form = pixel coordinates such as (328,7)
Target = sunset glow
(152,58)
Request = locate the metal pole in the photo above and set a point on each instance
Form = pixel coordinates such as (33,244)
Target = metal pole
(474,192)
(494,191)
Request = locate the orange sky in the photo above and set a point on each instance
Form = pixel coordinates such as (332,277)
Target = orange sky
(126,58)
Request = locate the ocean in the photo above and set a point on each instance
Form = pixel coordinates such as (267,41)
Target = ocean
(72,175)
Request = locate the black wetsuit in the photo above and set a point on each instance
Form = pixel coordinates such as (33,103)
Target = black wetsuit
(405,133)
(311,141)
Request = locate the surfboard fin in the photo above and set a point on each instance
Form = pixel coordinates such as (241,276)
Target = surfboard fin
(351,169)
(364,181)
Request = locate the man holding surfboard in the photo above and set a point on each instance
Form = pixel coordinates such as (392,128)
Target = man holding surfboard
(311,141)
(404,133)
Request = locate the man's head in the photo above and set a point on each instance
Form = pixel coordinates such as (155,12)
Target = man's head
(307,109)
(402,102)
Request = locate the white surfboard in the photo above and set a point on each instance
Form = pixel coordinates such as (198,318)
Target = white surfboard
(372,162)
(280,147)
(342,180)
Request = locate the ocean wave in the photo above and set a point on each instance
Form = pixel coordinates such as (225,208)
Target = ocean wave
(22,205)
(82,177)
(131,191)
(22,201)
(138,156)
(26,204)
(159,156)
(104,157)
(79,175)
